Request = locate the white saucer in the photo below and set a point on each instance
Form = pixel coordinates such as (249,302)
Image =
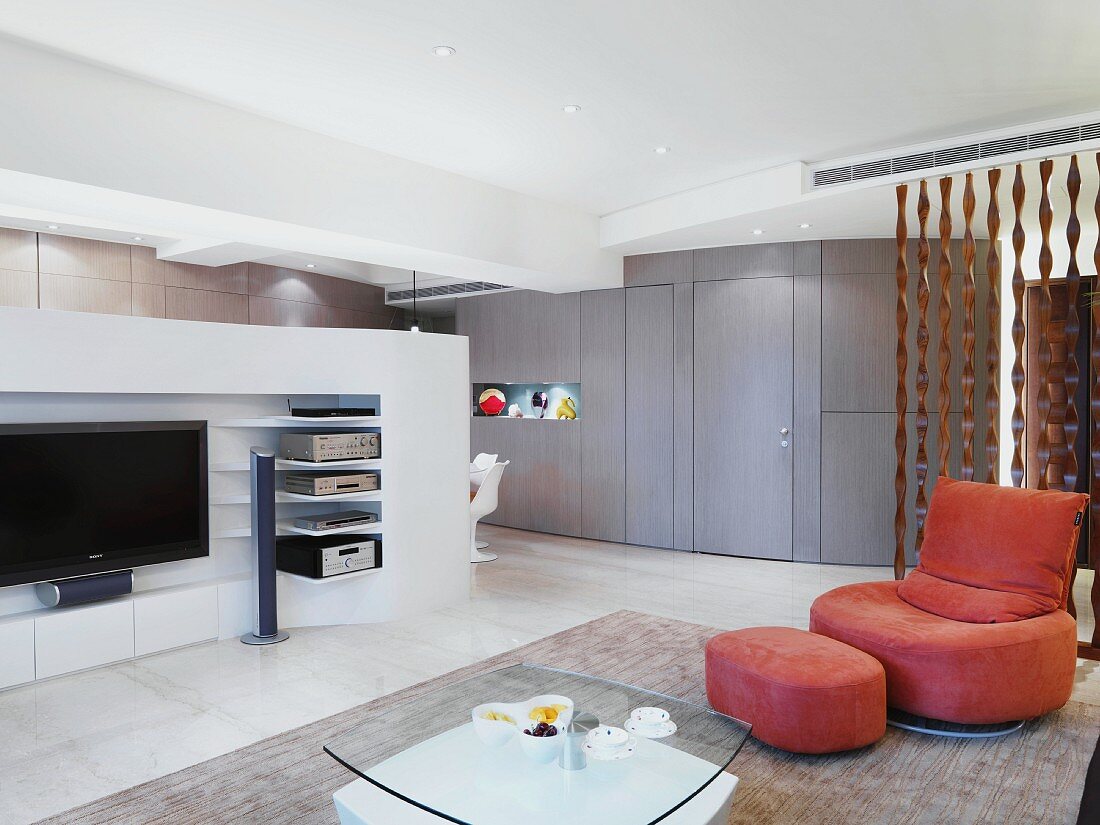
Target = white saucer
(658,731)
(612,754)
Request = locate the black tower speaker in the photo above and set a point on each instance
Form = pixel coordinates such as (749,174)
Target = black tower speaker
(265,616)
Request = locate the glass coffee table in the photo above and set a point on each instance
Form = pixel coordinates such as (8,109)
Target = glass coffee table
(422,763)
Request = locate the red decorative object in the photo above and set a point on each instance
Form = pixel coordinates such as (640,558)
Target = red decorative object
(491,401)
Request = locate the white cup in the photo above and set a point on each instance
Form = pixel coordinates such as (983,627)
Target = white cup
(606,738)
(649,717)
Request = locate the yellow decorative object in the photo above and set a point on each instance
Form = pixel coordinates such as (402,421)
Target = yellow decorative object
(566,409)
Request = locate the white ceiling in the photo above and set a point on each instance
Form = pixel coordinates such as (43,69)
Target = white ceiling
(732,86)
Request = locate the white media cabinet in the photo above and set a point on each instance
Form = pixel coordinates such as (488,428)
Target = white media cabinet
(238,379)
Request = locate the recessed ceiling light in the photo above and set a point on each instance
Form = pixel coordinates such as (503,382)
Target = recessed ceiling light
(52,226)
(443,51)
(310,266)
(571,108)
(662,150)
(804,226)
(758,231)
(138,238)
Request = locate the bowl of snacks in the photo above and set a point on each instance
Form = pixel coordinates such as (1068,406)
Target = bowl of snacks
(538,718)
(494,723)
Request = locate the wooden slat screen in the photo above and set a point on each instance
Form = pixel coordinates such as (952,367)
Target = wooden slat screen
(968,338)
(901,397)
(945,324)
(993,317)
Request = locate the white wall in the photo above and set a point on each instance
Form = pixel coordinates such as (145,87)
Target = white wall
(71,366)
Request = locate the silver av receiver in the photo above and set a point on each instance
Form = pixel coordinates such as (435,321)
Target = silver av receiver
(329,446)
(312,484)
(322,556)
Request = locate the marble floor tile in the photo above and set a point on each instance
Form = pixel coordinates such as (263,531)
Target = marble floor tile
(76,738)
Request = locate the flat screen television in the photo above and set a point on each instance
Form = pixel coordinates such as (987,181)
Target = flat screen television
(93,497)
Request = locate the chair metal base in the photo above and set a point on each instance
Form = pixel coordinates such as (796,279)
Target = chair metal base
(481,545)
(937,727)
(479,557)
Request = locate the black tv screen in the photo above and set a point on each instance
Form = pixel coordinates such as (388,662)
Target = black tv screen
(88,498)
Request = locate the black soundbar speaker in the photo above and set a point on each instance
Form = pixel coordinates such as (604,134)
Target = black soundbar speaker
(265,616)
(65,592)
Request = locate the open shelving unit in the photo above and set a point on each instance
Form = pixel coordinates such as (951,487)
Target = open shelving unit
(285,525)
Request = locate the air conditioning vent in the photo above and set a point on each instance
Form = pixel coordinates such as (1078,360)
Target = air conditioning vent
(823,177)
(951,155)
(1055,137)
(427,293)
(1004,146)
(874,169)
(957,154)
(910,162)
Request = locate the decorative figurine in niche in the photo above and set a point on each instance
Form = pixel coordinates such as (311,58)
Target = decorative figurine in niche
(491,401)
(566,409)
(515,412)
(540,402)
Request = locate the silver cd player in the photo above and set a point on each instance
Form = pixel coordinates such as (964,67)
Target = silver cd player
(336,521)
(329,446)
(311,484)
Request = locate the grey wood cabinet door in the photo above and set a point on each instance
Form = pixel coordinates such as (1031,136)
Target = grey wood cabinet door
(743,400)
(649,391)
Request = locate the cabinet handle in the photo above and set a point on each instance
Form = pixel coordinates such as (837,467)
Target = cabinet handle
(783,431)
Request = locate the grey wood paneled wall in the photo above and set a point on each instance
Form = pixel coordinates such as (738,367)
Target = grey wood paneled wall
(650,402)
(535,336)
(78,274)
(647,358)
(603,422)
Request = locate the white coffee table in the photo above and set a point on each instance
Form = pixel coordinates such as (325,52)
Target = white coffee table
(421,763)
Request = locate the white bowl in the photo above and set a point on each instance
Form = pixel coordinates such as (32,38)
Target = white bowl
(494,732)
(542,749)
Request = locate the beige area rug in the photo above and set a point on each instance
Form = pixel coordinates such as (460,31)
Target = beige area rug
(1035,776)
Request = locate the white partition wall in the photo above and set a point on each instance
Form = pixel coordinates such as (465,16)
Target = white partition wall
(61,367)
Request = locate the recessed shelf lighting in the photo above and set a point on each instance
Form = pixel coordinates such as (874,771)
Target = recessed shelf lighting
(571,108)
(758,231)
(310,266)
(662,150)
(138,238)
(804,226)
(53,226)
(443,51)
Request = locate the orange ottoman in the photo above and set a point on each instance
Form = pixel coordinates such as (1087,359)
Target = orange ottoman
(800,692)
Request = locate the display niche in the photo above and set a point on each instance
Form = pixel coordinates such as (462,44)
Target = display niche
(538,401)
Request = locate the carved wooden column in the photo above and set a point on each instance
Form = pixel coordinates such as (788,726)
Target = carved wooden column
(945,324)
(1046,264)
(1094,445)
(921,508)
(1073,326)
(968,330)
(1018,329)
(992,347)
(901,397)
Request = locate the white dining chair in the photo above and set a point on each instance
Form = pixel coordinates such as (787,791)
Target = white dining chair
(478,468)
(484,502)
